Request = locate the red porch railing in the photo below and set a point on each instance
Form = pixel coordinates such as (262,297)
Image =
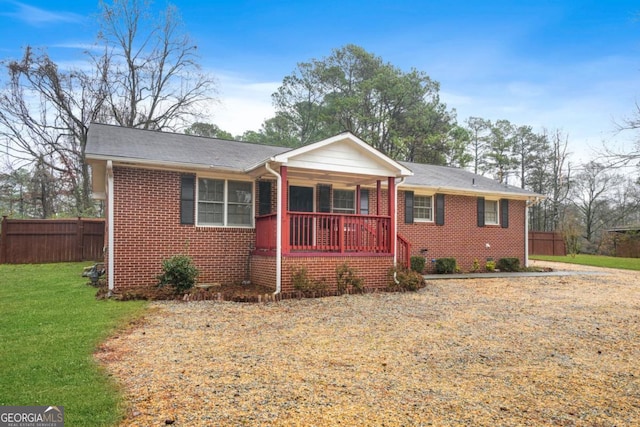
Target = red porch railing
(404,252)
(326,232)
(266,232)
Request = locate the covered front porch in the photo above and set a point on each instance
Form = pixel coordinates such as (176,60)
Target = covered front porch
(335,200)
(306,233)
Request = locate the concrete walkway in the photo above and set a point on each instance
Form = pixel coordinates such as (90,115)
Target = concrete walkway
(515,274)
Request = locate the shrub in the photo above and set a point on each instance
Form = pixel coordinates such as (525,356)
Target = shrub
(508,264)
(490,266)
(476,265)
(179,273)
(305,284)
(348,279)
(407,280)
(417,263)
(446,265)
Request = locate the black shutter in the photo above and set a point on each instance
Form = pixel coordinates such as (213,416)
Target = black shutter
(504,213)
(408,207)
(324,198)
(264,197)
(439,209)
(364,201)
(187,199)
(480,211)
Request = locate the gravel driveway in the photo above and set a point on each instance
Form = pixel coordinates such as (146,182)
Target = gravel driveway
(556,351)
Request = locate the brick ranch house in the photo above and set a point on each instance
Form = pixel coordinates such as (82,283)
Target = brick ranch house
(246,211)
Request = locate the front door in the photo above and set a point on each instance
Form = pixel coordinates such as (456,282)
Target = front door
(301,228)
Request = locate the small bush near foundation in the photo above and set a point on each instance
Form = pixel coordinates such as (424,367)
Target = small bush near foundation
(417,263)
(402,279)
(490,266)
(508,264)
(348,279)
(179,273)
(446,265)
(305,284)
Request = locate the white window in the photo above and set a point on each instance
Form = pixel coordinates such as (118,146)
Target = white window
(423,208)
(344,201)
(225,203)
(491,212)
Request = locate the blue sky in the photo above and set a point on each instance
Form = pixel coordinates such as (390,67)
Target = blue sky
(568,65)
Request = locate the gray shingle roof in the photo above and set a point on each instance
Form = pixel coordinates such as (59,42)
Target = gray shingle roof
(115,142)
(126,144)
(450,178)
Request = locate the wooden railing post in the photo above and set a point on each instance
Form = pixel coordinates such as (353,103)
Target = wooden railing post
(341,233)
(3,240)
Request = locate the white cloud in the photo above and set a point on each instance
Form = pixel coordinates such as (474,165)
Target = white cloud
(36,16)
(244,104)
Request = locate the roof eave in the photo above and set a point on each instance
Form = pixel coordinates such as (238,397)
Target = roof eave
(158,163)
(479,192)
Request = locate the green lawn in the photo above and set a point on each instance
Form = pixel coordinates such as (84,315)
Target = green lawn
(50,324)
(594,260)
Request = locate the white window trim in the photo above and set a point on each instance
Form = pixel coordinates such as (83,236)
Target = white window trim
(497,202)
(225,209)
(355,199)
(415,218)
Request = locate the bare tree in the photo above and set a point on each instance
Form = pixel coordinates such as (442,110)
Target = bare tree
(592,190)
(44,119)
(550,175)
(142,79)
(560,177)
(153,78)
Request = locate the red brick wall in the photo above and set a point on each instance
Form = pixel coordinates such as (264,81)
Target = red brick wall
(263,270)
(147,230)
(372,269)
(461,238)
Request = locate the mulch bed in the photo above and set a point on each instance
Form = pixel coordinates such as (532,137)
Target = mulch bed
(558,351)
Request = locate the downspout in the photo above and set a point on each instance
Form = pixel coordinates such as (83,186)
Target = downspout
(110,222)
(395,232)
(278,230)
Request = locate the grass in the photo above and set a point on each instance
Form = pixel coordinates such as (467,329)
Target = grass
(593,260)
(50,326)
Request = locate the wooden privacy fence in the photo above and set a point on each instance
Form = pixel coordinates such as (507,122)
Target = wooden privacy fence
(33,241)
(546,243)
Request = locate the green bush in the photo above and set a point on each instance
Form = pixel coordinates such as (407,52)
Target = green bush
(490,266)
(446,265)
(305,284)
(417,263)
(508,264)
(179,273)
(347,278)
(407,280)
